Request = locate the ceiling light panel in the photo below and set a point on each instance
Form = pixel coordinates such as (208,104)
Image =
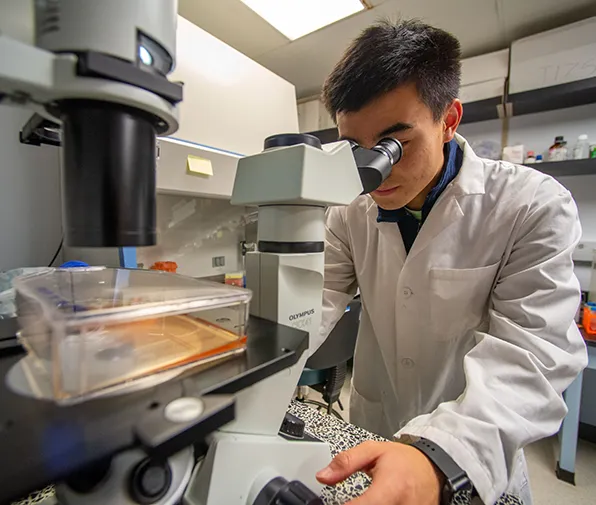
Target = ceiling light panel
(296,18)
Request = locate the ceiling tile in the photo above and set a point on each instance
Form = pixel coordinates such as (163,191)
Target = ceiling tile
(527,17)
(307,61)
(232,22)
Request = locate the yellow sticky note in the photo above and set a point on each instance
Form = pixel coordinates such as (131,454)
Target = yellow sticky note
(198,166)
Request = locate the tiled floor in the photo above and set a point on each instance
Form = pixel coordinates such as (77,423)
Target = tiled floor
(547,489)
(542,458)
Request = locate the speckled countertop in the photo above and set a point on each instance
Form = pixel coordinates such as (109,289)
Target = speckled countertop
(340,436)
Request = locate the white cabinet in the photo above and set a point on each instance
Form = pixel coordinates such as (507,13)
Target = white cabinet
(230,101)
(484,76)
(554,57)
(313,116)
(174,178)
(231,104)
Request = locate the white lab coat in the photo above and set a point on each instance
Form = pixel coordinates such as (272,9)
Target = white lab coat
(470,339)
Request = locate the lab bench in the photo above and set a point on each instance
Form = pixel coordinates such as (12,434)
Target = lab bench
(342,436)
(570,426)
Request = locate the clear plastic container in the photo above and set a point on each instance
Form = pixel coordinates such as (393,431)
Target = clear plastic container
(99,330)
(581,150)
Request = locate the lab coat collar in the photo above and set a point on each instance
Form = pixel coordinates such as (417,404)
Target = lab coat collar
(389,230)
(470,180)
(445,212)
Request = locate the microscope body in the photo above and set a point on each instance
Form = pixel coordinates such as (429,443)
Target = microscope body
(291,185)
(291,182)
(99,69)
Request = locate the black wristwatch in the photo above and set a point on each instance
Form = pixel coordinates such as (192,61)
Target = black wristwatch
(456,479)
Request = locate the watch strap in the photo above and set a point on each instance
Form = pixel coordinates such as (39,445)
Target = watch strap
(456,479)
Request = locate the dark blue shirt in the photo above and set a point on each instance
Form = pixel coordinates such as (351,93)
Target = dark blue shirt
(409,226)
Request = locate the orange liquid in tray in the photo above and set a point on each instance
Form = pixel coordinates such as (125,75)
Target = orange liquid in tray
(167,342)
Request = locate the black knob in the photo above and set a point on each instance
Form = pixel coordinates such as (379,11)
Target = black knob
(292,426)
(279,491)
(292,139)
(149,481)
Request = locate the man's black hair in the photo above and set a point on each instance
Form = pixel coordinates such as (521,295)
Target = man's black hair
(387,55)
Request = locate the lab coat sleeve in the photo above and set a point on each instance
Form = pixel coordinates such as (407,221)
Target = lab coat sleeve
(532,351)
(340,278)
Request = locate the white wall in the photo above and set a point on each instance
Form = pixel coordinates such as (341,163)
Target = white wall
(537,132)
(30,204)
(230,101)
(191,231)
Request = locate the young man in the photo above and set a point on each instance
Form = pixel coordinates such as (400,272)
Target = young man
(467,338)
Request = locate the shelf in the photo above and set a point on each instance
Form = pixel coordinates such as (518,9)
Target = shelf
(561,96)
(482,110)
(566,168)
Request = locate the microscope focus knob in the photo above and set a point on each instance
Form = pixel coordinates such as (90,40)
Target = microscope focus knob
(279,491)
(150,481)
(292,427)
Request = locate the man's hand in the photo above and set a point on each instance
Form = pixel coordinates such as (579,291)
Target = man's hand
(402,475)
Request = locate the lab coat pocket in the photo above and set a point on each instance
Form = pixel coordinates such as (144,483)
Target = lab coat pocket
(366,413)
(459,299)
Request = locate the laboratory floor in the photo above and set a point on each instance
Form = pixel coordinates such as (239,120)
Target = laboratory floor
(542,458)
(547,489)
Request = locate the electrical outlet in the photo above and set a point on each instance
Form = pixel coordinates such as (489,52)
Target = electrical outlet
(218,261)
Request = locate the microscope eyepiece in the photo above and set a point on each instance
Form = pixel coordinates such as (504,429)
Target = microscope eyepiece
(391,148)
(374,165)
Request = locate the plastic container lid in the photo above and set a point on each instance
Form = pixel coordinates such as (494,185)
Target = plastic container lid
(95,329)
(559,139)
(582,137)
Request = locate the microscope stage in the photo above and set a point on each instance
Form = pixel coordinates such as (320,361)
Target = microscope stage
(42,442)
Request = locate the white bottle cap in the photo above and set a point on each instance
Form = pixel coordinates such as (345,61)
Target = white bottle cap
(583,137)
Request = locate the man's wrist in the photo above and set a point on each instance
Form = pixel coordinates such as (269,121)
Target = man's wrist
(452,477)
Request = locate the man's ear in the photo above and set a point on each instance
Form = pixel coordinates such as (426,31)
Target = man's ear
(451,120)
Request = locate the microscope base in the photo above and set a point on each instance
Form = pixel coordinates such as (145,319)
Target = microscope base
(237,467)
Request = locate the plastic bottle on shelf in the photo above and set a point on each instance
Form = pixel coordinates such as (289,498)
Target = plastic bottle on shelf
(539,158)
(563,152)
(558,151)
(581,150)
(530,158)
(593,151)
